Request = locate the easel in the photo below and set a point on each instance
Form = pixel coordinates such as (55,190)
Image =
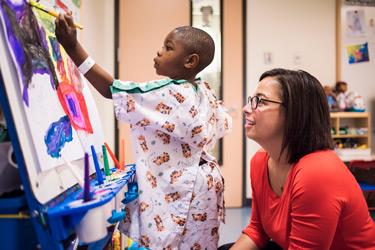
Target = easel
(54,223)
(50,212)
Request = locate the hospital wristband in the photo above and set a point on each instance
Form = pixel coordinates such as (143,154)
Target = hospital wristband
(86,65)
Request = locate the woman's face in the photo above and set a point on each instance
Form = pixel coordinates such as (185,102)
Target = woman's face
(265,124)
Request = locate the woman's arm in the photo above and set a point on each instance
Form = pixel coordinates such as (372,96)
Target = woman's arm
(244,243)
(254,235)
(66,34)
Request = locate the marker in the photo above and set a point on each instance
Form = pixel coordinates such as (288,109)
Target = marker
(107,171)
(74,171)
(99,175)
(122,154)
(49,11)
(86,188)
(115,161)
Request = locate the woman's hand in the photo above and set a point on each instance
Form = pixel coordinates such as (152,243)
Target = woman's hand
(244,242)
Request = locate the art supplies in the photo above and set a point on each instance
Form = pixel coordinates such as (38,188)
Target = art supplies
(122,154)
(74,171)
(107,171)
(86,187)
(115,161)
(99,175)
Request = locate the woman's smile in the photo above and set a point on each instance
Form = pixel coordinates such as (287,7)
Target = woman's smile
(249,123)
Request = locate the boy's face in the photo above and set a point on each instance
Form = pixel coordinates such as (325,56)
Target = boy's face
(170,60)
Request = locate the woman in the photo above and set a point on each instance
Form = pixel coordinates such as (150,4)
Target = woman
(304,197)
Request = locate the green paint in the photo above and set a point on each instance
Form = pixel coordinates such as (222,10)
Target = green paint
(47,20)
(77,3)
(105,159)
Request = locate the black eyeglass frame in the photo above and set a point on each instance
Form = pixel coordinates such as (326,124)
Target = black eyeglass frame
(258,100)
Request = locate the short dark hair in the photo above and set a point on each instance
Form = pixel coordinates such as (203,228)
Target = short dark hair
(307,118)
(200,42)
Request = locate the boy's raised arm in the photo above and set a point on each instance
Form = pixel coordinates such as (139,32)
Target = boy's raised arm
(66,34)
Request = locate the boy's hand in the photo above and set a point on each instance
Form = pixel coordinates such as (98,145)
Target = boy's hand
(66,32)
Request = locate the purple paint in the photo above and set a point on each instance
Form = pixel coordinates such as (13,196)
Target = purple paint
(58,134)
(72,105)
(28,43)
(86,184)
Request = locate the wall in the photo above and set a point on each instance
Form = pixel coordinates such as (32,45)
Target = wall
(142,32)
(359,76)
(233,82)
(98,39)
(297,34)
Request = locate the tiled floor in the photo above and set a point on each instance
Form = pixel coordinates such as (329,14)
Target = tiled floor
(236,219)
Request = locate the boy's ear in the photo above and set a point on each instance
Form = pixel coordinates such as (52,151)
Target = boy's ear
(192,61)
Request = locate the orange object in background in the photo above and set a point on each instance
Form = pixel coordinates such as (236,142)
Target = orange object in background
(122,154)
(115,161)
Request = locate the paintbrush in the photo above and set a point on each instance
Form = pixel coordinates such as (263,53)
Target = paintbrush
(74,171)
(49,11)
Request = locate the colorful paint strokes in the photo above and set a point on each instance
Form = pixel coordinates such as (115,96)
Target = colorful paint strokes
(48,84)
(58,134)
(28,43)
(71,100)
(77,3)
(75,107)
(357,53)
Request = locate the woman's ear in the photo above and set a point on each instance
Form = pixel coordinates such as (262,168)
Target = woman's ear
(192,61)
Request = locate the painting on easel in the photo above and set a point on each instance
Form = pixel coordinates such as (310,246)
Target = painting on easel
(57,113)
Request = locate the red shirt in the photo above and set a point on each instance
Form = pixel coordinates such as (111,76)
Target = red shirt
(321,207)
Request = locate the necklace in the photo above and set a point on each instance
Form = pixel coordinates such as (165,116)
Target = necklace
(278,177)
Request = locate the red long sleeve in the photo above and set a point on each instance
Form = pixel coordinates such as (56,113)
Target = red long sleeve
(255,228)
(322,206)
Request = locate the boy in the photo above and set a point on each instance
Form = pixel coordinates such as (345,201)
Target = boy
(175,123)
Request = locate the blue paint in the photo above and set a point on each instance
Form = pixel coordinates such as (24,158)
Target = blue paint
(55,49)
(57,135)
(72,105)
(99,175)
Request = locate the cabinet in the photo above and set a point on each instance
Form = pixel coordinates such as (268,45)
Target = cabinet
(351,133)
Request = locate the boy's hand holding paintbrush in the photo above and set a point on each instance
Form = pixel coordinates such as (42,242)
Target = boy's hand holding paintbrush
(66,34)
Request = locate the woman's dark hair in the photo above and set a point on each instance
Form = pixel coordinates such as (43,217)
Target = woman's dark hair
(307,119)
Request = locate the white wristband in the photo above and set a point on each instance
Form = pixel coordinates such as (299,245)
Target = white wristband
(86,65)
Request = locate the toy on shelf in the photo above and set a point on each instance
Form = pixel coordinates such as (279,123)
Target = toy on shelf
(340,99)
(354,102)
(331,98)
(340,90)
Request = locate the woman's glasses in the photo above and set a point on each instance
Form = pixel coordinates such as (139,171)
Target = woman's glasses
(255,100)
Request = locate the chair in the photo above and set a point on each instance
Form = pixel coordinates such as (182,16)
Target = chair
(364,172)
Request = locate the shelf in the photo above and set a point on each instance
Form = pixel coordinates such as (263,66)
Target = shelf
(349,136)
(358,128)
(349,115)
